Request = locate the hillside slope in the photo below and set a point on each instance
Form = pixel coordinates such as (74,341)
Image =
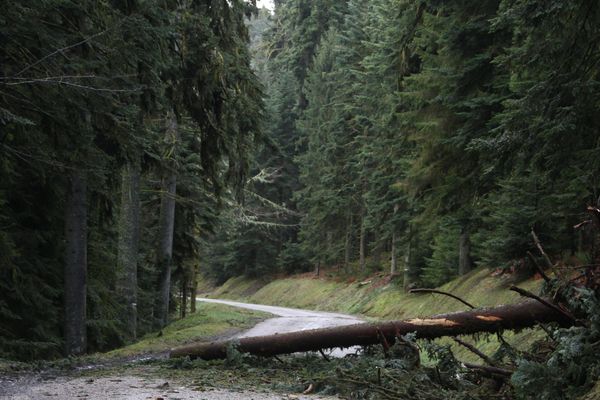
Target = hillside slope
(377,297)
(380,297)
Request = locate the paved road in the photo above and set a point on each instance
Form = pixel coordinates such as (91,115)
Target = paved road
(291,320)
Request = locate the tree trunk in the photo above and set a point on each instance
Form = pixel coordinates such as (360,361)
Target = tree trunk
(464,253)
(76,265)
(394,260)
(193,290)
(127,258)
(362,245)
(184,296)
(348,244)
(166,231)
(408,263)
(496,319)
(318,268)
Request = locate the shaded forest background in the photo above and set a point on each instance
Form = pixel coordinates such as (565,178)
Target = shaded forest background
(143,142)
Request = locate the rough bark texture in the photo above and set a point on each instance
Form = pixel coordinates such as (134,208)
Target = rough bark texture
(165,232)
(394,261)
(129,228)
(517,316)
(348,244)
(408,265)
(76,265)
(184,297)
(193,289)
(363,244)
(464,253)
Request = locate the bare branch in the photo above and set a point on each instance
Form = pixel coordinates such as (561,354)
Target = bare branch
(444,293)
(476,351)
(538,244)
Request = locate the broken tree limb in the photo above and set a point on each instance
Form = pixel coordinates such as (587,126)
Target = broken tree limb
(495,319)
(490,371)
(476,351)
(538,244)
(547,303)
(444,293)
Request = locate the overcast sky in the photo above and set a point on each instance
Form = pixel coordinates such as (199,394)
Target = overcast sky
(265,3)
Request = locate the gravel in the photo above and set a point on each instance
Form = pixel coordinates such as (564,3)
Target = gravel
(126,388)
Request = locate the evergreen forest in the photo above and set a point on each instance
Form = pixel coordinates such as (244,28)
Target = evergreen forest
(145,143)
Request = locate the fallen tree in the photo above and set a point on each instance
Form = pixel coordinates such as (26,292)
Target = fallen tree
(516,316)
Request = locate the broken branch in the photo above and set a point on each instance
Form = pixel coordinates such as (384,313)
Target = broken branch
(440,292)
(538,244)
(476,351)
(530,295)
(490,371)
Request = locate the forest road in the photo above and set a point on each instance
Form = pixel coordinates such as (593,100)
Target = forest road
(128,387)
(291,320)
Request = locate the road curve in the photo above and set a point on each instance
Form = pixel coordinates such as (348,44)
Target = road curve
(291,320)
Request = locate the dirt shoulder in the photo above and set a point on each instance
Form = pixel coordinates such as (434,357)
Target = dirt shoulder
(124,387)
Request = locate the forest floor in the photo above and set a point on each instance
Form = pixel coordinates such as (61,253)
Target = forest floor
(143,370)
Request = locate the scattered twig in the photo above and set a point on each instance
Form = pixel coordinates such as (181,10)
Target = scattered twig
(538,267)
(530,295)
(278,359)
(476,351)
(491,371)
(324,355)
(444,293)
(538,244)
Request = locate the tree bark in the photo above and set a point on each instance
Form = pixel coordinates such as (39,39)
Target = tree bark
(129,228)
(362,245)
(348,244)
(394,260)
(166,230)
(516,316)
(76,265)
(193,289)
(464,253)
(408,267)
(184,296)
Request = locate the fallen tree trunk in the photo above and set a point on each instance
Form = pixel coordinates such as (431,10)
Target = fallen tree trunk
(516,316)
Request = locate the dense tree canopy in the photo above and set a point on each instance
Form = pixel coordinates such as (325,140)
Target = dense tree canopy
(142,142)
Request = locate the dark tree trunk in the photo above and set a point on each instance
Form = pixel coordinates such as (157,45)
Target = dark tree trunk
(184,296)
(394,250)
(76,265)
(409,273)
(166,231)
(363,244)
(464,253)
(348,244)
(129,228)
(496,319)
(193,290)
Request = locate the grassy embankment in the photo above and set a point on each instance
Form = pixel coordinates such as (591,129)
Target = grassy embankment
(208,322)
(379,298)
